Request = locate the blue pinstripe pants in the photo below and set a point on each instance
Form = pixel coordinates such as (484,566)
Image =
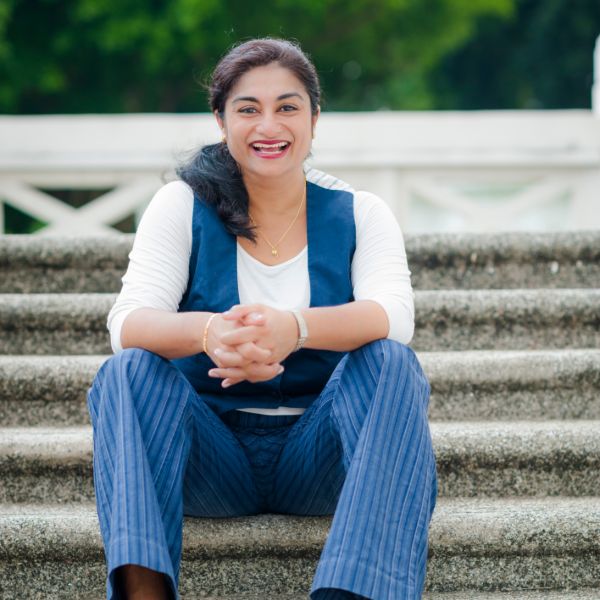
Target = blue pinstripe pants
(362,451)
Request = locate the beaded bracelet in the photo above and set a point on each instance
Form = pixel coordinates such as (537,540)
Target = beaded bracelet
(205,336)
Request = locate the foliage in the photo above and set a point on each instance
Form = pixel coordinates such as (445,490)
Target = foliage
(539,58)
(148,55)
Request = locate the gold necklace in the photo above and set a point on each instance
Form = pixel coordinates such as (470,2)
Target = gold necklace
(274,250)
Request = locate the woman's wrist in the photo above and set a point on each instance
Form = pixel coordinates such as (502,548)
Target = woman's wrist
(302,330)
(205,333)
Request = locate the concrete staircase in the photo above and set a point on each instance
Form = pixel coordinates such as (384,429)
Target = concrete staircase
(508,331)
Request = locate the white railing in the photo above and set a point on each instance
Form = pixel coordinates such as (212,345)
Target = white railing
(480,171)
(439,171)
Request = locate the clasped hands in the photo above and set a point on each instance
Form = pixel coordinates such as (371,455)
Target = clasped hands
(249,342)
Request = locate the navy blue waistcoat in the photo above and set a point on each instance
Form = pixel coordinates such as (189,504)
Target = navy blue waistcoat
(212,287)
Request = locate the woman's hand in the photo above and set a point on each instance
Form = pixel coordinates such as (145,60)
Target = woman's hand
(247,358)
(243,354)
(251,342)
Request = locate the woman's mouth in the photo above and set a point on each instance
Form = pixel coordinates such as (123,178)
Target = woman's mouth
(270,149)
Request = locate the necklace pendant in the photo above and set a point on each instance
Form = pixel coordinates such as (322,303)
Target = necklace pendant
(274,252)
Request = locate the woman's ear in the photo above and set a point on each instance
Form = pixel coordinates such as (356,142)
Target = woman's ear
(315,118)
(220,122)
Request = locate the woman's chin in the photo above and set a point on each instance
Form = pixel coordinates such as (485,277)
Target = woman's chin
(271,168)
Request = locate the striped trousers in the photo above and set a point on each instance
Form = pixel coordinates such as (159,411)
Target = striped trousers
(362,451)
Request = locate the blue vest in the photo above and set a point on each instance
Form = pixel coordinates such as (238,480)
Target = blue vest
(212,287)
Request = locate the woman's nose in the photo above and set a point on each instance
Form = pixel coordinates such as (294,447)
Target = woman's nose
(268,125)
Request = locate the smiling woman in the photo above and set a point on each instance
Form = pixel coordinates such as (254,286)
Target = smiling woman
(260,356)
(253,121)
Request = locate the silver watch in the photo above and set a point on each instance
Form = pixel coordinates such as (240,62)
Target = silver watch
(302,329)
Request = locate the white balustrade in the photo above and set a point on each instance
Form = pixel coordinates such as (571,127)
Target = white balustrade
(439,171)
(596,84)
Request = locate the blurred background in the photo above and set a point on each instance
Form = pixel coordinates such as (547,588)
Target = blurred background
(464,115)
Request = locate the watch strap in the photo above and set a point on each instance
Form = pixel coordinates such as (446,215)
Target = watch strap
(302,330)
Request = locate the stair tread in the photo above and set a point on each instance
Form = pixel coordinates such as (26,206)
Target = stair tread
(511,526)
(445,320)
(586,594)
(456,437)
(530,259)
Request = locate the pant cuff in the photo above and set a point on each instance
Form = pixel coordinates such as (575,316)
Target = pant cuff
(358,578)
(133,550)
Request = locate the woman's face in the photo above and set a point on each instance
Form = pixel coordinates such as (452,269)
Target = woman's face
(268,122)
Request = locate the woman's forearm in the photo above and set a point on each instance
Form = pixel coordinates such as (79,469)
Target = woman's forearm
(345,327)
(172,335)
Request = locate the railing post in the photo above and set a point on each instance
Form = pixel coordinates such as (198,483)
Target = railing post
(596,84)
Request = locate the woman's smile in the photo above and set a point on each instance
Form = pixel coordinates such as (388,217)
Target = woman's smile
(270,148)
(268,122)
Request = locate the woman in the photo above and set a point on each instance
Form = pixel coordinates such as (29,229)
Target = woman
(260,361)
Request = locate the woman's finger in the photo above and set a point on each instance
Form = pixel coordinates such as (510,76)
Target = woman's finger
(243,354)
(241,335)
(230,381)
(253,372)
(230,358)
(251,311)
(254,353)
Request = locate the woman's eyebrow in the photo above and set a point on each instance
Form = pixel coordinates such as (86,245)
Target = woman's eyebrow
(282,97)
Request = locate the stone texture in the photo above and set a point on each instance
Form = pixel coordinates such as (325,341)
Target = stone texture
(589,594)
(46,390)
(46,464)
(502,544)
(507,319)
(518,459)
(54,323)
(472,595)
(485,459)
(438,261)
(504,260)
(466,386)
(515,409)
(38,263)
(513,385)
(445,320)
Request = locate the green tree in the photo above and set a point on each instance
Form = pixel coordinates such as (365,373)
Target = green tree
(541,57)
(148,55)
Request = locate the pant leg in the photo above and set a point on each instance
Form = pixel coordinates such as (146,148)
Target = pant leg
(146,417)
(370,421)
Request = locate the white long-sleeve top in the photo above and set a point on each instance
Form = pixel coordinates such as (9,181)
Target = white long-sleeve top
(158,270)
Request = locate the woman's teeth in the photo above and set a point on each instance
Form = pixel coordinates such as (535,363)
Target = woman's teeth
(270,147)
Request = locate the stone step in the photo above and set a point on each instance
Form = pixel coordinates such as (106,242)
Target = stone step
(493,544)
(466,386)
(437,261)
(467,595)
(445,320)
(589,594)
(46,390)
(513,385)
(486,459)
(507,319)
(504,260)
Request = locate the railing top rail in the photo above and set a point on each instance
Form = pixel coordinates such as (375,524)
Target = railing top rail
(147,142)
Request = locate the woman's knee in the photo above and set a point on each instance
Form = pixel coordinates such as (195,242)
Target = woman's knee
(127,364)
(385,350)
(389,358)
(126,374)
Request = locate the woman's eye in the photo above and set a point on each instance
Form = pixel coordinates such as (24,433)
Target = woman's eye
(248,109)
(288,108)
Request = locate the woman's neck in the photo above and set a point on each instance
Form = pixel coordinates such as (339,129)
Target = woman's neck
(272,198)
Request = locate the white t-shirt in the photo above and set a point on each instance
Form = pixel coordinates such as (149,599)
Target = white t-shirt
(157,274)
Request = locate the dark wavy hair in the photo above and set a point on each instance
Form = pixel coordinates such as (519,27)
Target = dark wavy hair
(212,172)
